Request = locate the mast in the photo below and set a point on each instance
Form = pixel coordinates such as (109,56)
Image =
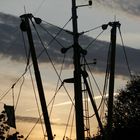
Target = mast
(77,77)
(114,26)
(25,26)
(85,75)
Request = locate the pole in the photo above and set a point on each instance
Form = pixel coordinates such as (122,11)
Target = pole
(25,20)
(84,74)
(77,77)
(111,80)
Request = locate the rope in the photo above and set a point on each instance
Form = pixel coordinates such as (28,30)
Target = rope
(124,50)
(91,29)
(67,124)
(61,29)
(32,128)
(40,5)
(106,83)
(51,62)
(57,83)
(28,59)
(53,37)
(94,40)
(19,93)
(40,115)
(92,90)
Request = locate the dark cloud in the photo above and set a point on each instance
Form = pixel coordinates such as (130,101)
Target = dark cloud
(35,120)
(11,45)
(128,6)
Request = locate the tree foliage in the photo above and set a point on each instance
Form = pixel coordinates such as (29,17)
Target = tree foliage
(5,129)
(126,111)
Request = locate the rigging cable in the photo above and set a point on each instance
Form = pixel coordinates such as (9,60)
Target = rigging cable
(13,96)
(93,78)
(51,62)
(105,84)
(67,124)
(60,73)
(91,30)
(126,58)
(94,39)
(4,94)
(19,92)
(72,125)
(28,60)
(92,90)
(57,75)
(53,37)
(41,116)
(61,29)
(40,5)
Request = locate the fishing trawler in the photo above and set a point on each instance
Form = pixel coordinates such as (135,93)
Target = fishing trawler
(83,93)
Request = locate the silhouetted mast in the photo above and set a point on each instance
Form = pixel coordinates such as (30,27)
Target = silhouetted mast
(77,77)
(114,26)
(25,26)
(77,74)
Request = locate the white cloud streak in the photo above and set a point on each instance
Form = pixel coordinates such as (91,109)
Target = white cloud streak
(69,102)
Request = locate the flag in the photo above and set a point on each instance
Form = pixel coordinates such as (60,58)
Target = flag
(10,115)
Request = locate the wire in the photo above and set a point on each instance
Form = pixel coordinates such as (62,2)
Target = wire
(28,59)
(19,92)
(4,94)
(67,124)
(92,90)
(51,62)
(91,29)
(93,77)
(40,115)
(53,37)
(13,96)
(61,29)
(105,83)
(94,39)
(32,128)
(72,125)
(58,83)
(124,50)
(40,5)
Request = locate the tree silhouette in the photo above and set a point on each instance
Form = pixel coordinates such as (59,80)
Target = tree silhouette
(126,112)
(5,128)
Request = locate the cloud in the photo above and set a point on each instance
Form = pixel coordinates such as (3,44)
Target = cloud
(69,102)
(129,6)
(12,46)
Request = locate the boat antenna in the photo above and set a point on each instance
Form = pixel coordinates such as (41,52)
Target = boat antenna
(24,9)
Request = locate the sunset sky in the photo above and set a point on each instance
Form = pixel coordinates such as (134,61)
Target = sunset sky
(58,12)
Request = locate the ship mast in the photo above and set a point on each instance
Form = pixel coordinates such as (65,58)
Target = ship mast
(77,73)
(77,77)
(25,26)
(114,26)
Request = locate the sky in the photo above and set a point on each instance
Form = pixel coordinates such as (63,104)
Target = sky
(58,12)
(104,11)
